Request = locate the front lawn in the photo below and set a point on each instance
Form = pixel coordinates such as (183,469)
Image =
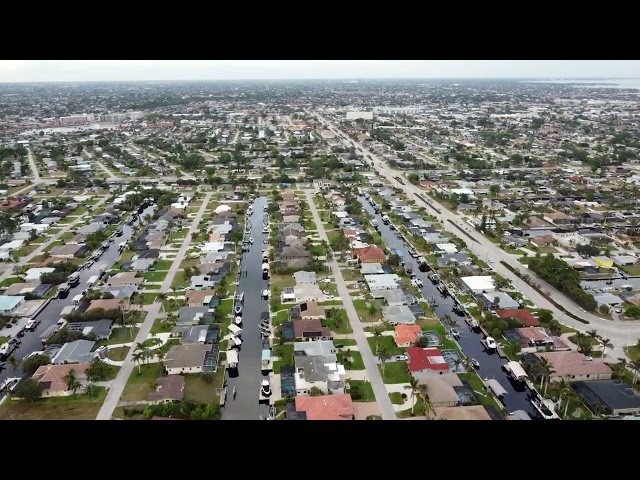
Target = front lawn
(347,342)
(141,384)
(118,354)
(395,372)
(154,276)
(198,390)
(179,281)
(364,391)
(73,407)
(160,326)
(355,358)
(366,312)
(396,398)
(388,342)
(632,352)
(339,323)
(163,264)
(119,335)
(7,282)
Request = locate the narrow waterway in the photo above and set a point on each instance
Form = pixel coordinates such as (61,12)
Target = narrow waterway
(246,406)
(490,363)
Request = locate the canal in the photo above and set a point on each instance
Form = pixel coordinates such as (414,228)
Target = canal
(490,363)
(249,373)
(50,315)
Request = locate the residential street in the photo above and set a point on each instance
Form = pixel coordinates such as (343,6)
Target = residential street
(38,251)
(113,396)
(382,397)
(620,333)
(34,167)
(102,166)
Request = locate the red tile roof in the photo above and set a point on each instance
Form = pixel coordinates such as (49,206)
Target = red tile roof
(326,407)
(426,359)
(370,253)
(523,315)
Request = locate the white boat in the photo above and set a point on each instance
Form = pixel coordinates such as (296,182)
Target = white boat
(265,388)
(238,309)
(238,320)
(475,363)
(251,240)
(542,409)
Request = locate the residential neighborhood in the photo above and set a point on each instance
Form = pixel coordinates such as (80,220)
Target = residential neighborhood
(307,256)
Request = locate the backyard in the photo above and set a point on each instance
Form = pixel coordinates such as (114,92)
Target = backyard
(141,384)
(198,390)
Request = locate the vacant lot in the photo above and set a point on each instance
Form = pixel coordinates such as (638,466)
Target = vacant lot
(74,407)
(199,391)
(141,384)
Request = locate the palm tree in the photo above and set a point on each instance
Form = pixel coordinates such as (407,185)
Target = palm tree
(606,343)
(72,382)
(593,334)
(14,362)
(545,372)
(90,389)
(423,392)
(413,386)
(383,355)
(161,297)
(377,334)
(635,365)
(138,357)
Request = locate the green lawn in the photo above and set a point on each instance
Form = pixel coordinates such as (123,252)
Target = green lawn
(199,391)
(347,342)
(4,340)
(418,409)
(119,335)
(159,326)
(362,308)
(7,282)
(73,407)
(632,352)
(173,305)
(282,281)
(141,384)
(118,354)
(589,340)
(149,298)
(356,359)
(163,264)
(396,398)
(342,327)
(395,372)
(154,276)
(350,274)
(277,365)
(388,342)
(281,317)
(285,353)
(179,281)
(365,388)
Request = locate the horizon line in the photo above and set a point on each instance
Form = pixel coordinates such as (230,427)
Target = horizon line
(321,79)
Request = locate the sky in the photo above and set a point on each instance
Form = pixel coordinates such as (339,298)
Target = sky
(130,70)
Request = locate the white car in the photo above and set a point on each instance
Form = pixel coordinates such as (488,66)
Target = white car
(9,384)
(618,310)
(401,358)
(265,293)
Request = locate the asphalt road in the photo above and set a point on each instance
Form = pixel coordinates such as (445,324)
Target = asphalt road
(246,405)
(490,364)
(620,333)
(51,313)
(34,168)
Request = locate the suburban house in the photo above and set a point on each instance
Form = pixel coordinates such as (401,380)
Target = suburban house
(574,366)
(426,361)
(124,279)
(186,358)
(52,378)
(168,389)
(523,315)
(318,372)
(79,351)
(108,304)
(311,311)
(9,304)
(323,348)
(406,335)
(311,329)
(369,254)
(305,278)
(293,257)
(441,388)
(325,407)
(100,328)
(199,298)
(70,251)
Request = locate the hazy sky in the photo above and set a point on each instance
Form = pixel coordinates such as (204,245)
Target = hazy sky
(107,70)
